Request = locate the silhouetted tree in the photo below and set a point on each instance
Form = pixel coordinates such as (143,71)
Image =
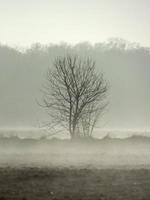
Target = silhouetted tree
(74,95)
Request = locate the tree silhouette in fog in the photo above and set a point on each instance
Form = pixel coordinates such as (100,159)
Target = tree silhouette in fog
(74,95)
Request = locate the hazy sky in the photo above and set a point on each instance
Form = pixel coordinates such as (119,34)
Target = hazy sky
(28,21)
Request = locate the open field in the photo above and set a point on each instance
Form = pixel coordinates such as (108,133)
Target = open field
(108,169)
(74,184)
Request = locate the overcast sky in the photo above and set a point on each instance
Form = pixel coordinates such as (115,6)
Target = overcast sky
(24,22)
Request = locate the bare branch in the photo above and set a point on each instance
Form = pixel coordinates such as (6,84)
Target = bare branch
(74,94)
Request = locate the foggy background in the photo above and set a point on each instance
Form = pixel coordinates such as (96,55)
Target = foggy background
(125,66)
(48,23)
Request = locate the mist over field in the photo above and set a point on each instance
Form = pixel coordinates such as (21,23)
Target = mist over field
(109,152)
(125,65)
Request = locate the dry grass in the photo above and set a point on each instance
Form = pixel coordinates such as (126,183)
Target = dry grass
(74,184)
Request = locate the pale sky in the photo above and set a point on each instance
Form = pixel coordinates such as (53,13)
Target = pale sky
(23,22)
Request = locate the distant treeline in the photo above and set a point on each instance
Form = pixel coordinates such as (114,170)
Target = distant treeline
(126,66)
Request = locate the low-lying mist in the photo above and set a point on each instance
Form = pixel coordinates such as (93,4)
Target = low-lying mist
(131,152)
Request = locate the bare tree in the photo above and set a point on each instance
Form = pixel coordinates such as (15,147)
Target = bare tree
(74,95)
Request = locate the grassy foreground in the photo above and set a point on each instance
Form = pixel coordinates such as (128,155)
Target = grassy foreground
(74,184)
